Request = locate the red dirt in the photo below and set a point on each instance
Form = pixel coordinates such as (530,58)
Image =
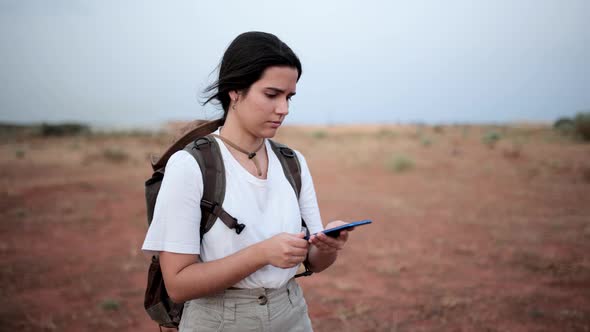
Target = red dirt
(468,239)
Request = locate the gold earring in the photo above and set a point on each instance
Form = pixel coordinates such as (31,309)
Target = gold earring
(234,105)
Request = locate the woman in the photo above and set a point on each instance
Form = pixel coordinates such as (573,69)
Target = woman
(244,282)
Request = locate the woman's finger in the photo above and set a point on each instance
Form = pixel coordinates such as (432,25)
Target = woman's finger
(328,240)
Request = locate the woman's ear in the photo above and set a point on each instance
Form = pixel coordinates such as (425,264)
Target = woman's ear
(233,95)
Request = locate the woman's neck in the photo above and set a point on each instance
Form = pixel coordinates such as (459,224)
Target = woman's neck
(239,136)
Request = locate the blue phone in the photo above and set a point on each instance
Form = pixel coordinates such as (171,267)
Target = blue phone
(334,232)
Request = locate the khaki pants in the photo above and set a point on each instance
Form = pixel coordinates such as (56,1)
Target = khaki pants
(260,309)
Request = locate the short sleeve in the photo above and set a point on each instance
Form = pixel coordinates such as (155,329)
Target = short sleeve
(177,213)
(308,203)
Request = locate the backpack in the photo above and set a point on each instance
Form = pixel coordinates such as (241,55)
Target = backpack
(205,149)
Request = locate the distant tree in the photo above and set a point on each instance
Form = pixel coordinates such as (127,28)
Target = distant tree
(564,125)
(64,129)
(582,125)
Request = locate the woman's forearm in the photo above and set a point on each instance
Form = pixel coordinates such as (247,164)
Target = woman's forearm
(319,260)
(202,279)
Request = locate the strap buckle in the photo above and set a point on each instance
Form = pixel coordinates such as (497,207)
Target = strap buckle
(201,141)
(216,209)
(239,227)
(287,152)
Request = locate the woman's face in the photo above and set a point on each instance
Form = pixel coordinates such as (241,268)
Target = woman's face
(262,110)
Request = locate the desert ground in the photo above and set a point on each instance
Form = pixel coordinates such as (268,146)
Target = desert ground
(475,228)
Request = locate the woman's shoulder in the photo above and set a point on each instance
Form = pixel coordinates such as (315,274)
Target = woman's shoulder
(182,161)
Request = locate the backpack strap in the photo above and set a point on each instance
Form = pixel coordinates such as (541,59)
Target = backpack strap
(203,128)
(206,151)
(292,170)
(290,164)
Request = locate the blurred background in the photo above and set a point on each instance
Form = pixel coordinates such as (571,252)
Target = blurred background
(460,128)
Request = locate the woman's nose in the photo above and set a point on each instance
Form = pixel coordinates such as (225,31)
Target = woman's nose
(283,108)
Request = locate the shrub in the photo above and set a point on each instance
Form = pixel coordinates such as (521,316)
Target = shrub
(19,153)
(425,141)
(386,133)
(400,163)
(110,305)
(115,155)
(319,134)
(439,129)
(582,125)
(64,129)
(490,139)
(564,125)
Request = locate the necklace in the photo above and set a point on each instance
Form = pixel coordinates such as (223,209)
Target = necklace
(250,155)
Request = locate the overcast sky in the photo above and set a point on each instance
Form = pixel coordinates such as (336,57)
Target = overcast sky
(140,63)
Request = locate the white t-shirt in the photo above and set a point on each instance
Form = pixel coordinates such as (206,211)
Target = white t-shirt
(266,206)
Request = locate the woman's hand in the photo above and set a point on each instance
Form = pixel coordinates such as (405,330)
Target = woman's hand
(326,244)
(285,250)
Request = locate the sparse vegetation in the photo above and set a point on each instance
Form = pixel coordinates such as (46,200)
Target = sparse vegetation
(115,154)
(579,127)
(564,126)
(386,133)
(319,134)
(64,129)
(432,212)
(425,141)
(582,125)
(400,163)
(110,305)
(19,153)
(490,139)
(439,129)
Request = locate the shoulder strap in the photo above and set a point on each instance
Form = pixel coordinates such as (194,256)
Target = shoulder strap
(206,151)
(204,128)
(291,167)
(292,170)
(290,164)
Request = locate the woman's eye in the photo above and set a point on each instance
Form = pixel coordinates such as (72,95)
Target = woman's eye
(270,96)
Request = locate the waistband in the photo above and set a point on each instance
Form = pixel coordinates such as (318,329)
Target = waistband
(245,295)
(247,292)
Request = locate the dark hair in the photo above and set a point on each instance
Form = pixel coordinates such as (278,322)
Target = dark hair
(245,60)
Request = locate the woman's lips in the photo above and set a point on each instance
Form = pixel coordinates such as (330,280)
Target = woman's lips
(275,124)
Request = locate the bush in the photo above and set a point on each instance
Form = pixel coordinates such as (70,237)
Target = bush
(439,129)
(64,129)
(400,163)
(19,153)
(319,134)
(110,305)
(564,125)
(115,155)
(386,133)
(425,141)
(582,125)
(490,139)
